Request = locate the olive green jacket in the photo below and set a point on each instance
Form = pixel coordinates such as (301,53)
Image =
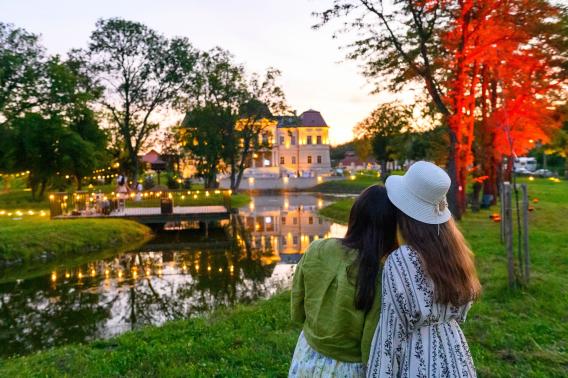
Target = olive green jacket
(323,299)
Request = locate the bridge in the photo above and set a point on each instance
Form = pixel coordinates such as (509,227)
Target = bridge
(148,207)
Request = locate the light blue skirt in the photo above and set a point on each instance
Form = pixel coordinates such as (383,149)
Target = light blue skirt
(309,363)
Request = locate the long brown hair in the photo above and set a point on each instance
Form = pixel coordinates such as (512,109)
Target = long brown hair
(446,256)
(372,233)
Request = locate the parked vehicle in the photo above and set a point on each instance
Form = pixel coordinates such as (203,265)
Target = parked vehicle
(543,173)
(526,163)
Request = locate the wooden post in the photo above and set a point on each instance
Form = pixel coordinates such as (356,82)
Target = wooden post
(502,200)
(525,214)
(508,232)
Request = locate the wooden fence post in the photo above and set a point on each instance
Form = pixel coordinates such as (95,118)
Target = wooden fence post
(508,231)
(502,201)
(525,215)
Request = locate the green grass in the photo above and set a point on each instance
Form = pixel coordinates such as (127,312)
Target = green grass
(248,341)
(512,333)
(521,332)
(348,186)
(20,199)
(29,237)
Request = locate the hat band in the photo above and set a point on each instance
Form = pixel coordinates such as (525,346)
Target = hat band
(439,206)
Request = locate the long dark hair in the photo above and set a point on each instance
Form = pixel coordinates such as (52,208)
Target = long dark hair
(446,257)
(372,232)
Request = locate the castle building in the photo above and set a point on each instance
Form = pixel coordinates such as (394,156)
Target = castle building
(300,147)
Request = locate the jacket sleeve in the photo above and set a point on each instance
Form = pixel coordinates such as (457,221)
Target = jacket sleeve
(297,312)
(386,348)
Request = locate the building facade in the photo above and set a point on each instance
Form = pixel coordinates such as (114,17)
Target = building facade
(300,147)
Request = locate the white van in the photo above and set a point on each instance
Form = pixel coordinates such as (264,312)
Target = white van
(523,164)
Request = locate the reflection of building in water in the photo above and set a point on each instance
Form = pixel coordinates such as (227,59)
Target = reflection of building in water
(286,228)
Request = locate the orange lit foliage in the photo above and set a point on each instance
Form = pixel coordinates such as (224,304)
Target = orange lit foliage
(500,83)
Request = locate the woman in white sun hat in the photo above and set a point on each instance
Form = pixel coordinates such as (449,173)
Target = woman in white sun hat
(428,284)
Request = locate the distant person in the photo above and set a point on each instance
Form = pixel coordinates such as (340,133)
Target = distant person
(122,193)
(335,291)
(139,189)
(428,284)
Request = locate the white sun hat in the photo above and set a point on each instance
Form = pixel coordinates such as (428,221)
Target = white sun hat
(421,193)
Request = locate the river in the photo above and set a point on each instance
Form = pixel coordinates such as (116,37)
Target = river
(186,270)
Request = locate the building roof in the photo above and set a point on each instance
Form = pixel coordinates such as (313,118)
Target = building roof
(151,156)
(309,118)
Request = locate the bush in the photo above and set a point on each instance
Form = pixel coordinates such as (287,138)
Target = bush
(187,183)
(148,182)
(172,182)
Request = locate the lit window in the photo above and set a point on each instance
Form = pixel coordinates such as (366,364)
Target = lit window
(319,159)
(310,159)
(293,160)
(281,159)
(309,140)
(284,220)
(318,139)
(311,220)
(295,220)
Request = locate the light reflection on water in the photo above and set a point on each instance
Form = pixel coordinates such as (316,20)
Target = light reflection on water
(177,275)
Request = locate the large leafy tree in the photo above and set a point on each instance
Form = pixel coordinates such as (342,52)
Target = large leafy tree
(142,73)
(460,51)
(241,108)
(385,127)
(208,130)
(21,67)
(263,98)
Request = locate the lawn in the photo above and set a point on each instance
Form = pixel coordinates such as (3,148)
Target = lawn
(522,332)
(519,333)
(351,185)
(39,242)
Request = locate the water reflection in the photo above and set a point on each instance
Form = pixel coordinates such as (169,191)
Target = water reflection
(249,257)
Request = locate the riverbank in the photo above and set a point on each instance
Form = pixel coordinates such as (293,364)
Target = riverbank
(511,333)
(246,341)
(37,239)
(352,185)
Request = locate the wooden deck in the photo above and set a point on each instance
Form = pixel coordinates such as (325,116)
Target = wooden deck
(153,215)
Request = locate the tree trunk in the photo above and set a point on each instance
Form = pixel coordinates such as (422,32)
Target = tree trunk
(453,197)
(42,188)
(79,182)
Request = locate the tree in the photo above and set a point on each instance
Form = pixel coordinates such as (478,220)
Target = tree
(218,92)
(21,59)
(363,148)
(559,143)
(452,47)
(142,73)
(70,92)
(206,134)
(401,41)
(262,99)
(385,128)
(37,141)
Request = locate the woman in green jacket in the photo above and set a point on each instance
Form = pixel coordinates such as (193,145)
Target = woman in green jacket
(335,291)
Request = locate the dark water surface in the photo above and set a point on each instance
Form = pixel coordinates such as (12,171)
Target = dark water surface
(180,273)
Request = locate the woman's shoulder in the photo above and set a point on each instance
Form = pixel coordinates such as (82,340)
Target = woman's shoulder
(404,258)
(328,247)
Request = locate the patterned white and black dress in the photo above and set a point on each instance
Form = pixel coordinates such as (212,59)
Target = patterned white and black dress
(416,337)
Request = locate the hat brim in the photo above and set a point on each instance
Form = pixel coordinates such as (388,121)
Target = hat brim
(413,206)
